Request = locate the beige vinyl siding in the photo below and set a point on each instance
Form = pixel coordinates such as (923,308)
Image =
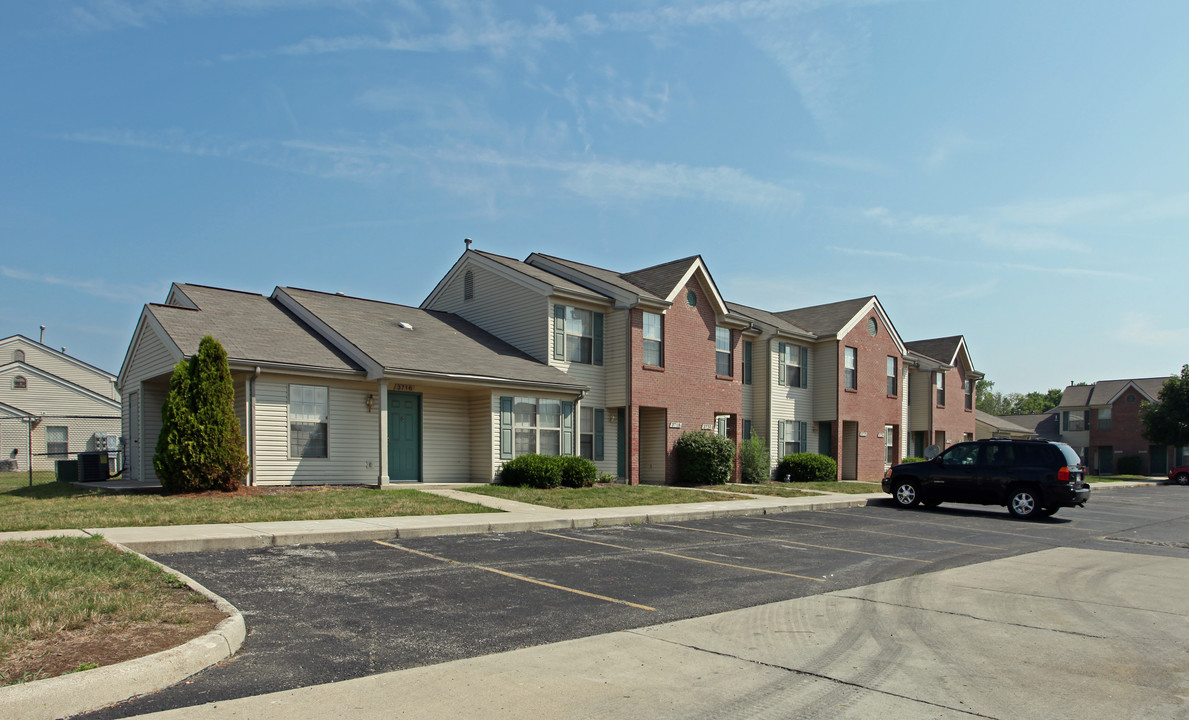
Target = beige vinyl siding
(485,428)
(615,354)
(78,373)
(445,436)
(44,395)
(150,358)
(653,440)
(353,435)
(921,391)
(791,403)
(824,381)
(152,397)
(131,434)
(512,312)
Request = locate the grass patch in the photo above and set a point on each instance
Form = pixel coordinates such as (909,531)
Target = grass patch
(58,506)
(805,489)
(785,490)
(68,604)
(849,488)
(603,497)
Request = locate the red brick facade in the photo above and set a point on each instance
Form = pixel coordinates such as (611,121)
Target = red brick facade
(952,418)
(1125,437)
(687,386)
(869,405)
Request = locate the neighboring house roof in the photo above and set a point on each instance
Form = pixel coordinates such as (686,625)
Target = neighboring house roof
(661,280)
(828,319)
(253,329)
(557,281)
(1002,423)
(1105,392)
(387,338)
(1044,425)
(14,339)
(770,320)
(610,277)
(942,349)
(11,411)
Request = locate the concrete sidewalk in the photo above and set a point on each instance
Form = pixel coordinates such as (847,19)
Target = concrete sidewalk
(1062,633)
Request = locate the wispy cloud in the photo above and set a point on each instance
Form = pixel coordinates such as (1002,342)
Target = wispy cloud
(600,180)
(845,162)
(104,15)
(949,145)
(991,230)
(1145,330)
(122,292)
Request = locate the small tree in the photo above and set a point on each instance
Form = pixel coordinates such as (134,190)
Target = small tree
(1166,422)
(201,446)
(754,464)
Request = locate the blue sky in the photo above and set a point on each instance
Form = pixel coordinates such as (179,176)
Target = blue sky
(1012,171)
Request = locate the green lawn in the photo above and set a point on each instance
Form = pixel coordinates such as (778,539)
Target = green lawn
(799,489)
(56,506)
(1118,478)
(601,497)
(77,592)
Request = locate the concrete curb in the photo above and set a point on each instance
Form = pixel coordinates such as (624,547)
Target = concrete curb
(81,692)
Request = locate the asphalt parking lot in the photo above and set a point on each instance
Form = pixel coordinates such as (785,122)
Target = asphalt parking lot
(324,613)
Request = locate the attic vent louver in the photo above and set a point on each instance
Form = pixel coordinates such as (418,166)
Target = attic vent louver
(404,325)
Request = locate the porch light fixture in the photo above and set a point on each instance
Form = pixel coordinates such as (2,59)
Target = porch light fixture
(371,400)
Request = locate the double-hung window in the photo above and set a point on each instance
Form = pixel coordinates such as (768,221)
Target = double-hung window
(536,425)
(577,335)
(889,439)
(968,390)
(939,383)
(653,343)
(892,375)
(1104,419)
(57,441)
(722,351)
(850,364)
(793,359)
(791,437)
(590,433)
(309,410)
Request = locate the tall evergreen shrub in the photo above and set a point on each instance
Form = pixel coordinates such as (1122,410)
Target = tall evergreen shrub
(704,458)
(201,446)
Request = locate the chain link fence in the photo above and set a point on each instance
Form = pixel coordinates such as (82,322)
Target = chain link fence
(46,448)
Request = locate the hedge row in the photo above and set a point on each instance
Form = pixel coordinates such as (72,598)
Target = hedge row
(549,471)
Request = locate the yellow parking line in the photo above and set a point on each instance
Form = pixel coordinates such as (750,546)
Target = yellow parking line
(877,532)
(683,557)
(949,526)
(794,542)
(515,576)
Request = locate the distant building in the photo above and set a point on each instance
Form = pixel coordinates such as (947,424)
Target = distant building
(52,405)
(1101,421)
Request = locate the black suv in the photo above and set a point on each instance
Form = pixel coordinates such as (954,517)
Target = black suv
(1033,478)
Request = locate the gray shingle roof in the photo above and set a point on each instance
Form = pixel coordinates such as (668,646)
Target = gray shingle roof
(609,277)
(437,343)
(1103,391)
(660,280)
(826,319)
(766,318)
(557,281)
(940,349)
(251,328)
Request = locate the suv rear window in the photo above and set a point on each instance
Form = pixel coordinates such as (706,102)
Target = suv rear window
(1071,457)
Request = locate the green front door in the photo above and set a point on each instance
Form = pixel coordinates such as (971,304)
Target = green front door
(404,437)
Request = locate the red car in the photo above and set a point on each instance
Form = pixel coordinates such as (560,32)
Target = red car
(1179,475)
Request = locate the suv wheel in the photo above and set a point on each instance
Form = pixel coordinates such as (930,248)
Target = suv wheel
(1023,503)
(907,495)
(1182,479)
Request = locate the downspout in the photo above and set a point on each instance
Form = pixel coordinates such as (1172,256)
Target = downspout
(628,414)
(251,425)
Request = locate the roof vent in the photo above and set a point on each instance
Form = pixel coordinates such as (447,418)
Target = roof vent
(404,325)
(339,293)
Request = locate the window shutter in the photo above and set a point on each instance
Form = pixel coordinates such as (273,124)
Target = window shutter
(598,339)
(804,438)
(780,438)
(567,428)
(746,429)
(598,434)
(559,332)
(784,369)
(505,428)
(804,367)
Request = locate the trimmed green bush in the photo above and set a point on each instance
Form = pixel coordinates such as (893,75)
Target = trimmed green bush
(201,446)
(704,458)
(807,467)
(531,470)
(576,472)
(1130,465)
(754,464)
(912,460)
